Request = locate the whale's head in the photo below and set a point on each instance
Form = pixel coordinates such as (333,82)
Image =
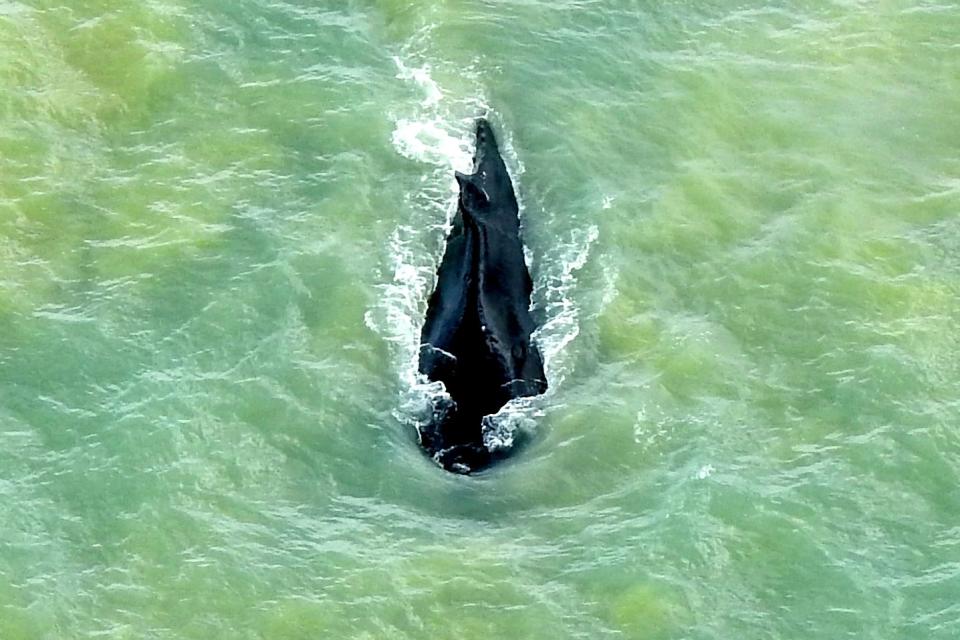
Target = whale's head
(489,186)
(487,162)
(486,147)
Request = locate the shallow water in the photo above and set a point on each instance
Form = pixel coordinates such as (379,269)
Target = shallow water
(219,223)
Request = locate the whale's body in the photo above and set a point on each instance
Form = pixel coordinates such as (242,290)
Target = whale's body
(476,337)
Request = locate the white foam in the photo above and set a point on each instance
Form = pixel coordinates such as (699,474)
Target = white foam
(562,323)
(394,317)
(420,76)
(428,141)
(431,135)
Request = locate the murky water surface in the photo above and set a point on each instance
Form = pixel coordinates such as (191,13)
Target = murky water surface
(219,225)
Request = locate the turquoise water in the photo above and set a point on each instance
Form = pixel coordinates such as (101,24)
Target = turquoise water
(219,224)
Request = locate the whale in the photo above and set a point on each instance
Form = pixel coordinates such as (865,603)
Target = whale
(476,337)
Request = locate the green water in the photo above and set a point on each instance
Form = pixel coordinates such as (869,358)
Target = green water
(219,223)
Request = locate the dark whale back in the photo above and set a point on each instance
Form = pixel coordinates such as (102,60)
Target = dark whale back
(476,337)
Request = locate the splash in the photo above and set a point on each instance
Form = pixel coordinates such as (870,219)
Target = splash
(434,135)
(553,290)
(438,133)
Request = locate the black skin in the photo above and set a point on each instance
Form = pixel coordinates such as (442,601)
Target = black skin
(476,338)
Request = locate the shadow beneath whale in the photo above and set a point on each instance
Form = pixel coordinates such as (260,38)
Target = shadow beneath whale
(476,338)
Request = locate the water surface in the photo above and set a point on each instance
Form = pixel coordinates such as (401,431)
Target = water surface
(219,225)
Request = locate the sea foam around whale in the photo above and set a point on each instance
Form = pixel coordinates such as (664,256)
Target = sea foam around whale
(438,134)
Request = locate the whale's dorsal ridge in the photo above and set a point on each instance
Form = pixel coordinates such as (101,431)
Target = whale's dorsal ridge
(476,337)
